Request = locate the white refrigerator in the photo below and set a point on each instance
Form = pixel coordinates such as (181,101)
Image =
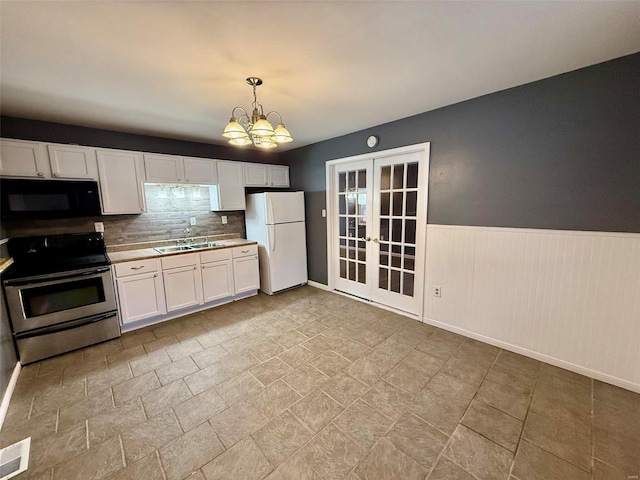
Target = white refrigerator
(276,221)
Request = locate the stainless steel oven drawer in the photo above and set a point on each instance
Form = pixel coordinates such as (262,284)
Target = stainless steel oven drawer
(46,342)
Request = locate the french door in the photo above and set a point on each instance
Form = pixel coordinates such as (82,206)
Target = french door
(379,227)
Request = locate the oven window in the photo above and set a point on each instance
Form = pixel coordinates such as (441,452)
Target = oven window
(62,296)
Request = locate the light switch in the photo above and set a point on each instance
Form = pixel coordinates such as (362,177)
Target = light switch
(324,213)
(193,220)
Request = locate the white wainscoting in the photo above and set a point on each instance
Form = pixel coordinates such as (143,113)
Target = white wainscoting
(569,298)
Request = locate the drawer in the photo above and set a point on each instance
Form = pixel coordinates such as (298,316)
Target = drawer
(135,267)
(182,260)
(215,255)
(245,251)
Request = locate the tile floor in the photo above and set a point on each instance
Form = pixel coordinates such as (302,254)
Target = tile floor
(312,385)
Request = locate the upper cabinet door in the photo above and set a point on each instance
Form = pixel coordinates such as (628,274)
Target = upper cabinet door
(255,175)
(71,161)
(201,171)
(20,158)
(278,176)
(163,168)
(121,177)
(228,194)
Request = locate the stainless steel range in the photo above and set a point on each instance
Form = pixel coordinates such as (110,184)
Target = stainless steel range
(59,293)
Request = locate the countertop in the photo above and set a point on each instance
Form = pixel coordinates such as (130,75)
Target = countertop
(145,251)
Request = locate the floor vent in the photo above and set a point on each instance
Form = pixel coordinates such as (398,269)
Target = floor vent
(14,459)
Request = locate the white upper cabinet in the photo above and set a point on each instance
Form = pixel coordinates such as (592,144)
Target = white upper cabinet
(163,168)
(23,159)
(264,175)
(278,176)
(256,175)
(174,169)
(121,176)
(201,171)
(228,194)
(72,161)
(19,158)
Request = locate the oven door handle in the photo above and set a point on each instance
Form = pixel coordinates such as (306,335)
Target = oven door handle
(53,278)
(61,327)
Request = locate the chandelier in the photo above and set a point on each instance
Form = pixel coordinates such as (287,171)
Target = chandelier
(255,128)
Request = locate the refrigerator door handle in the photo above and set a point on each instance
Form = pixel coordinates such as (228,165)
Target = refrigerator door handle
(272,237)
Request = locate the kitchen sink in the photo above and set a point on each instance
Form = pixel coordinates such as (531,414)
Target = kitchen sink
(174,249)
(187,248)
(198,246)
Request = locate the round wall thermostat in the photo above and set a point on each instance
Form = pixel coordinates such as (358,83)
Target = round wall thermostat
(372,141)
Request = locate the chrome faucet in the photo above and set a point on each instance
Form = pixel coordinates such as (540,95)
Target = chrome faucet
(185,240)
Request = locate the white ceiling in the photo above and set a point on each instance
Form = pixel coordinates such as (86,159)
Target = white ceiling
(176,69)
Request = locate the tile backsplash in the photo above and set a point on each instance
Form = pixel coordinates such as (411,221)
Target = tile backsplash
(169,210)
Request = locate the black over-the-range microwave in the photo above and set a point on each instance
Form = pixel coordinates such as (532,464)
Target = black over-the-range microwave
(34,199)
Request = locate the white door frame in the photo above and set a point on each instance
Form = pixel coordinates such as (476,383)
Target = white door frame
(423,148)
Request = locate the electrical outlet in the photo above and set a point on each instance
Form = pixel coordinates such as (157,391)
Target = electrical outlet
(224,219)
(193,220)
(99,226)
(437,291)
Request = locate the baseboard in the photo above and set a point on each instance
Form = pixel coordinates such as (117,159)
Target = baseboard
(321,286)
(6,398)
(618,382)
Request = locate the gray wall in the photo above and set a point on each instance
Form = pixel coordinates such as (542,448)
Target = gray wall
(560,153)
(25,129)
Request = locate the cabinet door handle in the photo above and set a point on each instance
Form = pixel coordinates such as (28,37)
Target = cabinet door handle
(40,174)
(244,251)
(155,276)
(55,174)
(137,268)
(195,268)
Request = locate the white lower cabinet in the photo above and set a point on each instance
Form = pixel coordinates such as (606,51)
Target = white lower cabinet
(246,272)
(182,281)
(217,274)
(149,289)
(140,295)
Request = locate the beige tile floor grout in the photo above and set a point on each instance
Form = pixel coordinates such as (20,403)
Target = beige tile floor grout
(417,380)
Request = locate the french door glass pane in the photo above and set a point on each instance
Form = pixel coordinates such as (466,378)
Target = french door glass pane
(352,271)
(343,226)
(396,256)
(384,204)
(351,181)
(412,204)
(396,230)
(407,284)
(398,176)
(343,269)
(395,281)
(362,273)
(383,278)
(385,178)
(397,204)
(362,254)
(410,231)
(412,175)
(342,204)
(342,182)
(384,229)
